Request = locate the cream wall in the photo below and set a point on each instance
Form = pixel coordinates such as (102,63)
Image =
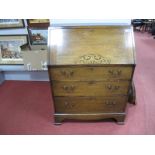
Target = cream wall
(78,22)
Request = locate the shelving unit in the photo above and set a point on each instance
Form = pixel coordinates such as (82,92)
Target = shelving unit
(18,72)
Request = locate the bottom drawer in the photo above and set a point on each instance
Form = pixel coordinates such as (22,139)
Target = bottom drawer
(90,104)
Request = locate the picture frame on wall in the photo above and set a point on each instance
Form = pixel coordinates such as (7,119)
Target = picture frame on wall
(38,23)
(38,36)
(10,48)
(11,23)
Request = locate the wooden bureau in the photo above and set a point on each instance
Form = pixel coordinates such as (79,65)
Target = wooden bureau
(91,72)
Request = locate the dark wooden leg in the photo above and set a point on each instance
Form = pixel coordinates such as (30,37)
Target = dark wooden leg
(132,95)
(58,120)
(120,119)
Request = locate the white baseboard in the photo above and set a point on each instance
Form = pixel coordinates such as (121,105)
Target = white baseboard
(26,75)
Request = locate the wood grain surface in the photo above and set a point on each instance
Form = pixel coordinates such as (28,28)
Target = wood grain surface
(91,45)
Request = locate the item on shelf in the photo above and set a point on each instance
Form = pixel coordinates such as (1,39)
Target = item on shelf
(40,23)
(38,36)
(38,47)
(35,60)
(11,23)
(10,48)
(91,72)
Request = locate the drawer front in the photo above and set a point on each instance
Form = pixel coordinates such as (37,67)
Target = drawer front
(90,88)
(90,104)
(90,73)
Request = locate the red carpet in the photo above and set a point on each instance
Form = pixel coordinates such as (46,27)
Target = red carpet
(26,107)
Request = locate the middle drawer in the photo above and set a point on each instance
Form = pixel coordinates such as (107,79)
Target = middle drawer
(89,88)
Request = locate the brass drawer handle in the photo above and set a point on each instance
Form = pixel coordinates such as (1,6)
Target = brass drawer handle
(67,73)
(69,105)
(115,72)
(111,87)
(69,88)
(111,103)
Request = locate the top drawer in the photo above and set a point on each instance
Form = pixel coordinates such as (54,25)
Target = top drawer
(90,73)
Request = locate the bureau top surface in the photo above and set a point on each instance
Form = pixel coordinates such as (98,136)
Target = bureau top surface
(91,45)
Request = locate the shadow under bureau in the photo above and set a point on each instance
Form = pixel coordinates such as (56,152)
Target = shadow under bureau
(91,72)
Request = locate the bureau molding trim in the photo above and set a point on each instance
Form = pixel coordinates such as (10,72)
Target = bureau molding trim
(92,65)
(57,114)
(118,117)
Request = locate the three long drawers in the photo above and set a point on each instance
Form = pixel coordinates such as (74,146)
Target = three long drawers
(85,90)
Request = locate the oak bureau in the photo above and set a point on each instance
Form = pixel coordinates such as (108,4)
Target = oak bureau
(91,72)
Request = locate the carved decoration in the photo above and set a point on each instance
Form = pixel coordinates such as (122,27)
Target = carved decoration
(94,59)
